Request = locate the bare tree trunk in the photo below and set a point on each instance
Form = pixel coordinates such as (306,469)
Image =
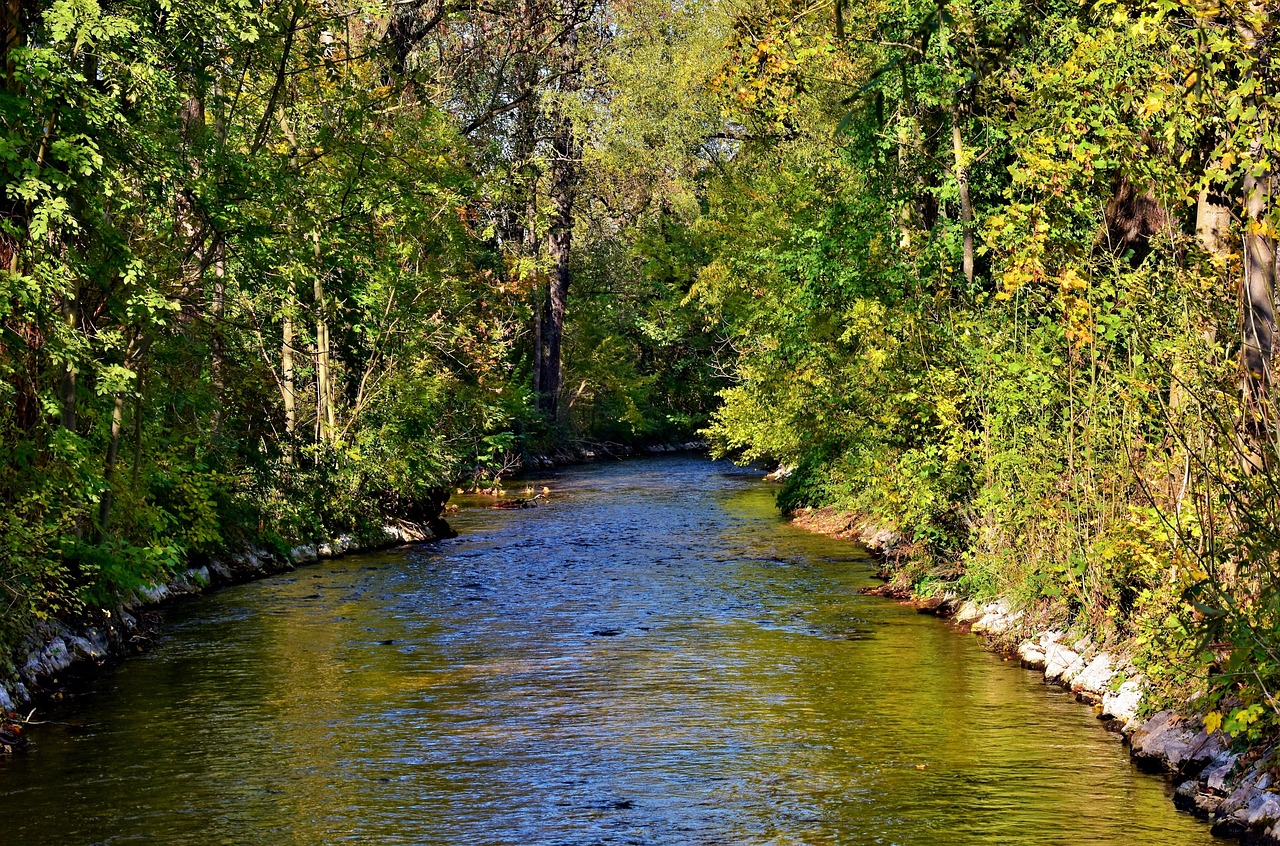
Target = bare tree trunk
(563,194)
(289,390)
(67,389)
(325,417)
(137,429)
(539,354)
(13,36)
(1258,318)
(564,186)
(1257,298)
(1213,224)
(962,182)
(113,452)
(527,174)
(287,364)
(217,312)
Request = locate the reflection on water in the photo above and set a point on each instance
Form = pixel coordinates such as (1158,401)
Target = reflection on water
(655,658)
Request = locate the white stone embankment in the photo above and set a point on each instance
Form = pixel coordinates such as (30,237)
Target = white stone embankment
(1236,793)
(55,648)
(1238,799)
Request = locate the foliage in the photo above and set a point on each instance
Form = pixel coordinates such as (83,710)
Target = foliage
(1065,424)
(257,287)
(993,274)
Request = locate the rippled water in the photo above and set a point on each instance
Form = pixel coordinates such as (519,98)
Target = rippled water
(654,658)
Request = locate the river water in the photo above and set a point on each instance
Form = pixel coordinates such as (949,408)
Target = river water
(653,658)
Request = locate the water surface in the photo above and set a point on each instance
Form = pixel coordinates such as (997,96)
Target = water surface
(653,658)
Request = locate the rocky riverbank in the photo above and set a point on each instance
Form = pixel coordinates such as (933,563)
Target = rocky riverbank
(1235,791)
(57,652)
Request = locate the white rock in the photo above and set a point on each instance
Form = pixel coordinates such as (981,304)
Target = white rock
(324,550)
(154,593)
(1124,703)
(53,658)
(84,649)
(1095,677)
(1031,654)
(989,624)
(968,612)
(1215,777)
(1069,674)
(1048,638)
(1060,661)
(1263,809)
(781,474)
(6,700)
(304,554)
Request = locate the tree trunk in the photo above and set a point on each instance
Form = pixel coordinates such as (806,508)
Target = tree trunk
(539,354)
(287,365)
(217,343)
(1257,298)
(962,182)
(1258,318)
(564,186)
(288,384)
(13,37)
(113,452)
(1213,225)
(526,177)
(137,429)
(67,389)
(326,420)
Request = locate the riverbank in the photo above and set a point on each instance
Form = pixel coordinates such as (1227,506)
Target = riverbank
(654,653)
(1234,790)
(57,652)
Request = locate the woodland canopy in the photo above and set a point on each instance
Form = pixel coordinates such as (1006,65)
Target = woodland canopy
(996,275)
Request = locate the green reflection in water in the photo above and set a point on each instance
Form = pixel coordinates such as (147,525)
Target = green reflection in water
(655,658)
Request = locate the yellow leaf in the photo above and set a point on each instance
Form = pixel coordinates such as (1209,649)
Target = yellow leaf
(1212,721)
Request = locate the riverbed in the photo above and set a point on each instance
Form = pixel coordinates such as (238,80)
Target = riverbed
(653,657)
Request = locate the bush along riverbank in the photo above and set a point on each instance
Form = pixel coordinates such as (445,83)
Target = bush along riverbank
(1229,782)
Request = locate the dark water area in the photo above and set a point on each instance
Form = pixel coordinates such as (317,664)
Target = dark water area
(655,657)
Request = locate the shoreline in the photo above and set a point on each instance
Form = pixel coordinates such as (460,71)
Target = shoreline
(57,654)
(1232,791)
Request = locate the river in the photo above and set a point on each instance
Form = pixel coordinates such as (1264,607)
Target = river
(654,657)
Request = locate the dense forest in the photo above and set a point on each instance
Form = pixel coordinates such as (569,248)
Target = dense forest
(998,276)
